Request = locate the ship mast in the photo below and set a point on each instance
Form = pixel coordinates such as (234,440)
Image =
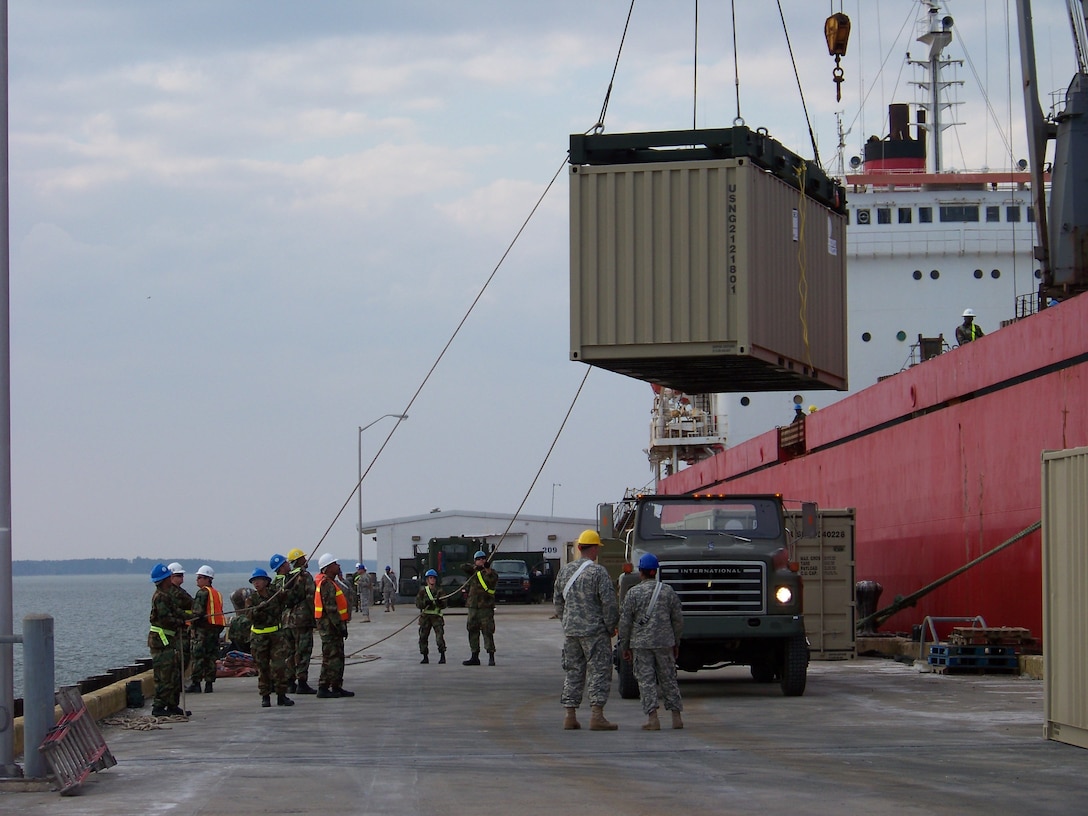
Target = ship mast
(938,36)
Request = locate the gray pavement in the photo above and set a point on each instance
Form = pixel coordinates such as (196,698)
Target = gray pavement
(869,736)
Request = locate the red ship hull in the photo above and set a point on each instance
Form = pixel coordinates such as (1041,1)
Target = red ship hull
(942,464)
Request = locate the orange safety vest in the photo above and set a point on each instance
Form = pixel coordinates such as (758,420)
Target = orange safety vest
(213,614)
(341,601)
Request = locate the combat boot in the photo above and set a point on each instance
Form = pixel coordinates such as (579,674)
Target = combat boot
(265,701)
(207,686)
(305,688)
(178,711)
(343,692)
(160,711)
(652,723)
(324,693)
(472,661)
(570,722)
(491,658)
(597,722)
(441,657)
(193,688)
(425,659)
(677,721)
(284,700)
(292,687)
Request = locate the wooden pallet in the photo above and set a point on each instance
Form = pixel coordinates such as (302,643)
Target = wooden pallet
(951,658)
(1013,636)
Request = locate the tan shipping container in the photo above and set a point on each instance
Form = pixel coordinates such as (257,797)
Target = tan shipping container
(827,569)
(706,276)
(1065,595)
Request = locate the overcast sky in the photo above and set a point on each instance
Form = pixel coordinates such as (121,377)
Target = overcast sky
(241,230)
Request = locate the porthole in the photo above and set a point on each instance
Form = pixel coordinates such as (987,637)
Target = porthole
(978,274)
(1038,274)
(995,274)
(745,401)
(934,274)
(917,274)
(866,337)
(900,336)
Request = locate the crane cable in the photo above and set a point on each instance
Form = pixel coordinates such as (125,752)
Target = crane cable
(797,77)
(599,127)
(441,354)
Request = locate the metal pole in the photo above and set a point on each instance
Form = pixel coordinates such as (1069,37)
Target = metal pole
(554,486)
(8,768)
(359,494)
(38,697)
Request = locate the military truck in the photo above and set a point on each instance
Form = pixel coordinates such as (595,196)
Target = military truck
(447,557)
(729,559)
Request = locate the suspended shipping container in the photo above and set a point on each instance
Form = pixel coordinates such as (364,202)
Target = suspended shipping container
(716,267)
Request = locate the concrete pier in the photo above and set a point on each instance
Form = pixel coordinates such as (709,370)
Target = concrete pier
(869,736)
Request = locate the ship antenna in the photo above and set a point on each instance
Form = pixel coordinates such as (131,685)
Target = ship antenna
(937,36)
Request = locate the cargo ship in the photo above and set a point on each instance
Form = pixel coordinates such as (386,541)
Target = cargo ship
(936,446)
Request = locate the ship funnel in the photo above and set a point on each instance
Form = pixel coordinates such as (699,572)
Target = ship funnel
(898,121)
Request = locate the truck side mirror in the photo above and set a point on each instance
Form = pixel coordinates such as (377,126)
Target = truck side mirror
(808,520)
(605,521)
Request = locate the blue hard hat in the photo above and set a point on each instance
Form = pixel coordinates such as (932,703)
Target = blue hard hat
(430,574)
(648,562)
(387,568)
(276,561)
(479,554)
(258,573)
(160,572)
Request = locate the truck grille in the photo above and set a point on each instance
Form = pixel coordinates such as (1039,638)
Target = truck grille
(717,587)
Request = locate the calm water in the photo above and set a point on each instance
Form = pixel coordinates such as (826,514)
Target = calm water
(100,622)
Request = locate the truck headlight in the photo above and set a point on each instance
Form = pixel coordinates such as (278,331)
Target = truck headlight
(783,595)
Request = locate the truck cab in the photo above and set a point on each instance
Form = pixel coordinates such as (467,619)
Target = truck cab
(729,560)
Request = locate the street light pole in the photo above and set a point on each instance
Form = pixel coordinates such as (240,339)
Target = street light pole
(359,484)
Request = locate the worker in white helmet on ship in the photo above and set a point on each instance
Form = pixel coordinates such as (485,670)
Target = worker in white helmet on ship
(968,331)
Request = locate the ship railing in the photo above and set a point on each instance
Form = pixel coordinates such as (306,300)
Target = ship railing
(889,242)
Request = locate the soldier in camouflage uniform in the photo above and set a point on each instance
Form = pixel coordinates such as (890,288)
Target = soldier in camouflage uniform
(264,608)
(177,578)
(169,613)
(364,592)
(431,603)
(281,569)
(207,625)
(300,619)
(332,611)
(651,623)
(481,609)
(238,633)
(585,601)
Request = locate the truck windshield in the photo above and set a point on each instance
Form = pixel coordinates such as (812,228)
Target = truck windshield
(747,518)
(517,567)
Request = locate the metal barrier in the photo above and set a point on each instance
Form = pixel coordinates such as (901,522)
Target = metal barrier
(74,747)
(929,621)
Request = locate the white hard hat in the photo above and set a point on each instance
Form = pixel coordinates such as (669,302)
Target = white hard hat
(325,560)
(968,312)
(176,568)
(206,571)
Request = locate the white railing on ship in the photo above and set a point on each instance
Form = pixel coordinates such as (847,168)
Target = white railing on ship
(885,243)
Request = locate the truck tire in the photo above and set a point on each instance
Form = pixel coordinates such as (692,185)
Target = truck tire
(628,685)
(795,666)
